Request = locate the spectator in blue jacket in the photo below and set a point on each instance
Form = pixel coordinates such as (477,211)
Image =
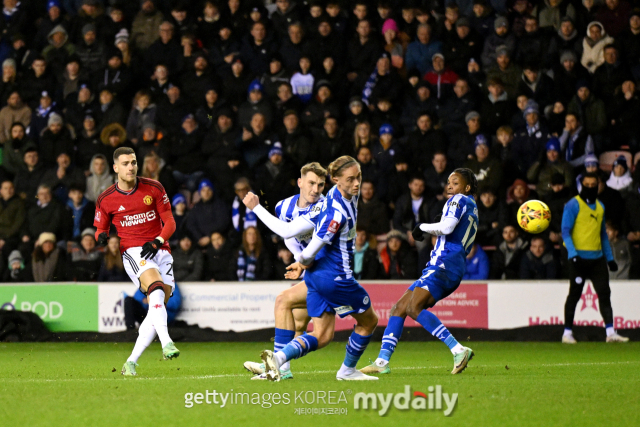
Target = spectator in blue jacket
(420,52)
(477,264)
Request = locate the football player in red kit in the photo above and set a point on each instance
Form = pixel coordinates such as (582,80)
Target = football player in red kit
(140,210)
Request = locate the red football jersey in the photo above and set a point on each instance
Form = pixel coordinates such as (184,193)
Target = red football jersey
(135,214)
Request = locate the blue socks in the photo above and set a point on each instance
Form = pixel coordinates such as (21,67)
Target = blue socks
(294,349)
(283,337)
(391,336)
(432,324)
(355,347)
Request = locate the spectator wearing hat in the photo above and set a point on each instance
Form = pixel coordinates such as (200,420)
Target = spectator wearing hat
(165,49)
(143,112)
(421,51)
(210,106)
(8,84)
(620,178)
(591,164)
(116,76)
(397,260)
(40,115)
(624,111)
(276,176)
(567,73)
(55,139)
(64,176)
(393,45)
(506,70)
(491,218)
(48,262)
(482,19)
(542,171)
(382,82)
(441,78)
(496,108)
(12,215)
(16,270)
(464,45)
(302,82)
(53,18)
(112,137)
(171,110)
(179,209)
(477,264)
(565,39)
(13,150)
(100,179)
(210,214)
(295,142)
(536,85)
(275,76)
(72,77)
(90,51)
(455,109)
(257,49)
(461,146)
(488,169)
(385,149)
(15,111)
(188,260)
(529,141)
(256,103)
(575,141)
(78,104)
(85,258)
(498,38)
(46,214)
(29,174)
(184,152)
(593,46)
(58,51)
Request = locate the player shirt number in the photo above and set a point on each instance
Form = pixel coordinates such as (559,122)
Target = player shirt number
(468,239)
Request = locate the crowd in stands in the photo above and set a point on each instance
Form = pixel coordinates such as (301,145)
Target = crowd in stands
(218,98)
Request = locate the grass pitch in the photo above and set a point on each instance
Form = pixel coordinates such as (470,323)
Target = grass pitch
(506,384)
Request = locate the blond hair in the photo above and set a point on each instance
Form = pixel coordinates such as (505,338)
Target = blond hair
(314,167)
(504,129)
(337,167)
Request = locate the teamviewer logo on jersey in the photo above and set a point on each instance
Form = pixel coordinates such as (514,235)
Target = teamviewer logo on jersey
(121,208)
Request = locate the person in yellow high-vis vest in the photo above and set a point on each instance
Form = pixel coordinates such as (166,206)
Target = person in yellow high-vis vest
(585,236)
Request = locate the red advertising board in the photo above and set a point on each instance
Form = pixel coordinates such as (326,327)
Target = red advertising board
(465,308)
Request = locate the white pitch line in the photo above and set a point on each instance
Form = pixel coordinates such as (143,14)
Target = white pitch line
(246,375)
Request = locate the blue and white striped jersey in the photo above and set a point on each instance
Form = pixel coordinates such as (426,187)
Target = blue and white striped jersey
(287,210)
(336,226)
(451,250)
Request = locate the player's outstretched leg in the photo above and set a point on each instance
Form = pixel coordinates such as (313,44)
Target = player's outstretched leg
(392,334)
(146,335)
(420,300)
(158,315)
(356,346)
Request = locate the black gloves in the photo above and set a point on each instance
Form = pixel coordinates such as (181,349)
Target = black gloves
(418,235)
(150,249)
(613,266)
(102,239)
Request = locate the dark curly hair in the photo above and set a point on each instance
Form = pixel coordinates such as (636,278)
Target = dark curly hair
(469,178)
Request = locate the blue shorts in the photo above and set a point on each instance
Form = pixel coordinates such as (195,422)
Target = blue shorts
(439,282)
(327,295)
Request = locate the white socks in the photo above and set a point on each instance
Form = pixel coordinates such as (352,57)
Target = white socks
(345,370)
(158,315)
(568,332)
(381,362)
(280,357)
(146,335)
(458,348)
(610,331)
(285,366)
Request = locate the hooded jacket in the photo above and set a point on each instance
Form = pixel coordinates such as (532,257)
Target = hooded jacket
(592,51)
(96,184)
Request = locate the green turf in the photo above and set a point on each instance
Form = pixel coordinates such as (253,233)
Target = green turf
(507,384)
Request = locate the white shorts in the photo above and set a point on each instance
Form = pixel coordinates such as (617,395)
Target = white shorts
(135,265)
